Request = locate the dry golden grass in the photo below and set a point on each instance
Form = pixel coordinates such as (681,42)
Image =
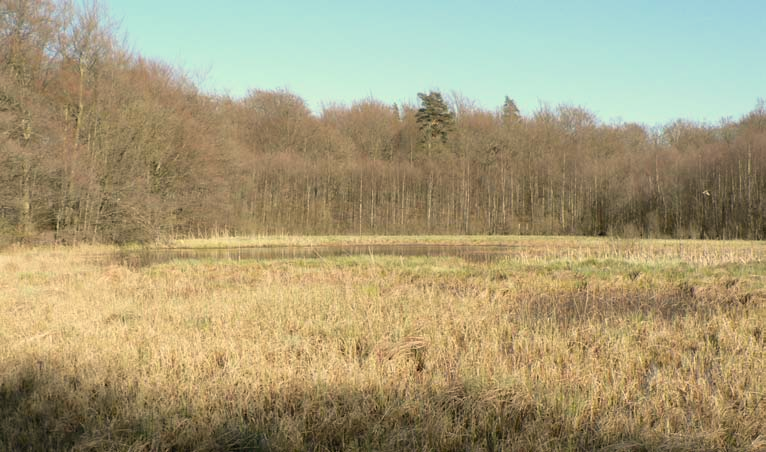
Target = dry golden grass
(567,344)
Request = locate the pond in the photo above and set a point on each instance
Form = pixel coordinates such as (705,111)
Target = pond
(146,257)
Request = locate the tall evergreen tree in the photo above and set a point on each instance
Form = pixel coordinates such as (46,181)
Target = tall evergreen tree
(435,121)
(510,110)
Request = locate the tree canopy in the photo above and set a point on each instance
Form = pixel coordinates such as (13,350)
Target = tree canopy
(98,143)
(510,111)
(434,118)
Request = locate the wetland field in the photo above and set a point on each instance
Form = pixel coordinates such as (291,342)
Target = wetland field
(350,343)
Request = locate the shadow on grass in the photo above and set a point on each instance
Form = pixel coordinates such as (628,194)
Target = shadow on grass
(44,407)
(582,304)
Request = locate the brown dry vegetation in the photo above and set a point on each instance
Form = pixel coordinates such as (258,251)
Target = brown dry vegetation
(101,144)
(565,345)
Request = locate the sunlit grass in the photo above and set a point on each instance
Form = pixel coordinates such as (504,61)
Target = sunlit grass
(565,344)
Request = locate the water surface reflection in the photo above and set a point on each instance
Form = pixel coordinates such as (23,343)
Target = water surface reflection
(474,253)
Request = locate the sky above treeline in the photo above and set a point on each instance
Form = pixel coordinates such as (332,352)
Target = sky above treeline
(626,61)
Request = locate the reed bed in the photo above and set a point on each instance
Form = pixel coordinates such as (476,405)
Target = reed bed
(564,344)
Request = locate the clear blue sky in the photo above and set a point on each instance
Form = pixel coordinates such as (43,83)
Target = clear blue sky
(634,61)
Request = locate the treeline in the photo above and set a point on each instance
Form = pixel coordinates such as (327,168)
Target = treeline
(99,143)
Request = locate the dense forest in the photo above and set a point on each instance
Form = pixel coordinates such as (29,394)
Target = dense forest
(99,143)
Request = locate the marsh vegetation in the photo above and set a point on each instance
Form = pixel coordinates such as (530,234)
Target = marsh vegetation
(565,344)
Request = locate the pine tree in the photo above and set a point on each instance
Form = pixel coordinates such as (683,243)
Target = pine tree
(510,110)
(435,121)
